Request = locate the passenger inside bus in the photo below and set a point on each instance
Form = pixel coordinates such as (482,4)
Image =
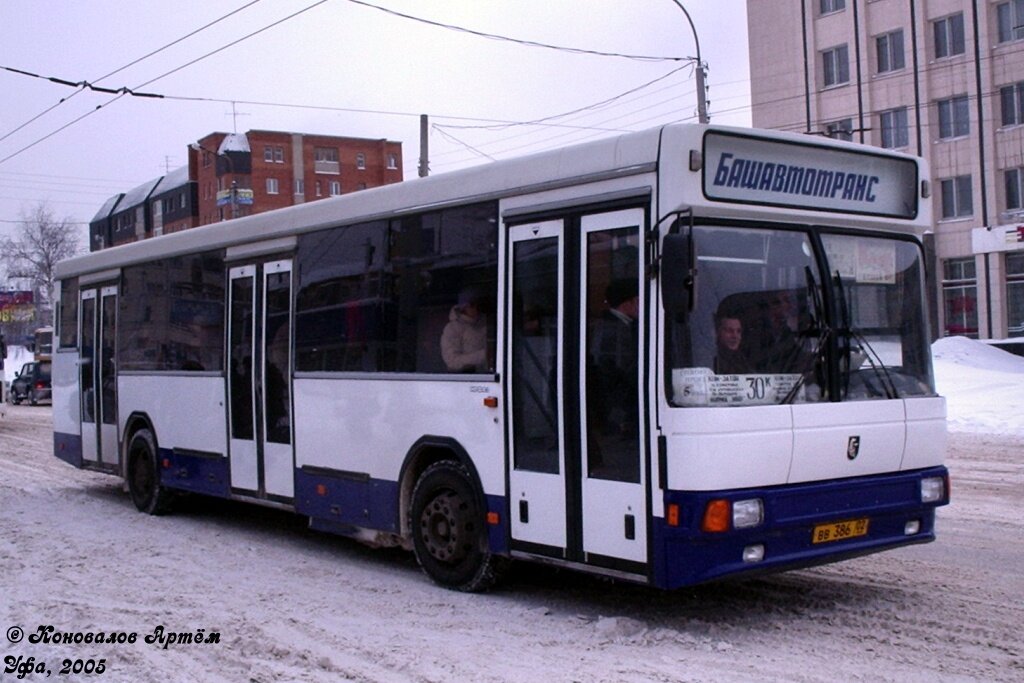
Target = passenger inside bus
(464,340)
(730,357)
(777,346)
(612,396)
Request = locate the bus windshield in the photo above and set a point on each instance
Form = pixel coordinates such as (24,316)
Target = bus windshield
(798,316)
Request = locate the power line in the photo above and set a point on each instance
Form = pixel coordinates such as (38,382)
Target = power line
(129,64)
(596,105)
(600,126)
(164,75)
(618,103)
(529,43)
(233,43)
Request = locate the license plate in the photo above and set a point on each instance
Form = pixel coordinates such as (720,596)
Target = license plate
(838,531)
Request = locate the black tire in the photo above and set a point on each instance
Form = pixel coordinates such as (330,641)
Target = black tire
(32,400)
(15,400)
(449,530)
(144,475)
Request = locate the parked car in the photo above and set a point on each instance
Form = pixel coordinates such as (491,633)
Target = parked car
(31,384)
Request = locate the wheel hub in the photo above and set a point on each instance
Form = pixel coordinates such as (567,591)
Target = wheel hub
(441,525)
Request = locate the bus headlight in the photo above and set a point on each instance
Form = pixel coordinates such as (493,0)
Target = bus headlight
(933,489)
(747,513)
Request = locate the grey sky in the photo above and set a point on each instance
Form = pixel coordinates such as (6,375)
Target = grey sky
(338,54)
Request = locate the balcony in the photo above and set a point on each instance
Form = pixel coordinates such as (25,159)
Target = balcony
(329,167)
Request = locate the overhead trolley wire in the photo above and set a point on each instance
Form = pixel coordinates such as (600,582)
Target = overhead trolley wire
(519,41)
(127,91)
(120,69)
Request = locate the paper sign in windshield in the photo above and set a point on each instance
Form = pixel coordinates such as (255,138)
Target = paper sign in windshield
(702,387)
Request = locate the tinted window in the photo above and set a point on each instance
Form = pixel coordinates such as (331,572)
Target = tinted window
(342,318)
(67,318)
(396,296)
(172,314)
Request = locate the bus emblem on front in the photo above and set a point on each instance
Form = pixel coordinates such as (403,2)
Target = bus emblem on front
(853,447)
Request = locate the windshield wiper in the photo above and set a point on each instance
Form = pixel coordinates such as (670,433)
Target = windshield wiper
(817,325)
(874,360)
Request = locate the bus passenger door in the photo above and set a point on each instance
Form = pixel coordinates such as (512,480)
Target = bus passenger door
(575,368)
(259,380)
(97,375)
(611,323)
(537,479)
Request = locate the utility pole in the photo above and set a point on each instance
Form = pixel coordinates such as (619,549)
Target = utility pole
(424,151)
(702,95)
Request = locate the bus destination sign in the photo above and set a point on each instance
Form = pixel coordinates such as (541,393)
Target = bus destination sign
(744,169)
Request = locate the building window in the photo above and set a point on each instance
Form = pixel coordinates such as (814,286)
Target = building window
(890,51)
(840,130)
(957,198)
(829,6)
(949,36)
(1012,99)
(361,161)
(181,200)
(1014,189)
(1010,17)
(960,296)
(836,64)
(272,186)
(319,192)
(335,188)
(300,186)
(1015,294)
(954,117)
(325,154)
(273,155)
(392,161)
(325,160)
(894,128)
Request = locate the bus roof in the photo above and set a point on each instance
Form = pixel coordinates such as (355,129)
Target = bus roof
(620,156)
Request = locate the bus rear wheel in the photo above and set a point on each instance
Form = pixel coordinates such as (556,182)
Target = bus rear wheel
(144,475)
(449,530)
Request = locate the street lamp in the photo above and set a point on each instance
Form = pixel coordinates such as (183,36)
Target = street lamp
(702,103)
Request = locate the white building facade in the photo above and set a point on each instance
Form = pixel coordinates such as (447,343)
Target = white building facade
(940,78)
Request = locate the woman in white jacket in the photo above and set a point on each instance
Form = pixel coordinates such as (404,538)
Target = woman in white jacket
(464,340)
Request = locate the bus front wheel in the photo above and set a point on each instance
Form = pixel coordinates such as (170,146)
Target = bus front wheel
(144,475)
(449,530)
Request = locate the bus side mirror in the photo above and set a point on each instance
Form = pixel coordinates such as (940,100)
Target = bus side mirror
(678,281)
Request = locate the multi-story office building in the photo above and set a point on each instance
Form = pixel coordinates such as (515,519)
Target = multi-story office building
(230,175)
(940,78)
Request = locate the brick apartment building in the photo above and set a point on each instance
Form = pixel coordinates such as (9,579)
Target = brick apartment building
(943,79)
(231,175)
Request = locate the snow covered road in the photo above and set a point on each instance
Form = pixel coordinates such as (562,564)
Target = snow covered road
(293,605)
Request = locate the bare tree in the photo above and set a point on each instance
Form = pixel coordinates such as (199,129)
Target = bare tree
(41,241)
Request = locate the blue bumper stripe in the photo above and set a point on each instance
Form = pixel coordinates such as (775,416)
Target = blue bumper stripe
(685,555)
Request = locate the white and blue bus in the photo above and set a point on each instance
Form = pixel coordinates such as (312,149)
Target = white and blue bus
(666,357)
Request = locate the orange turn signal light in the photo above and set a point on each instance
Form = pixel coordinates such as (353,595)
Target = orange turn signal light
(493,519)
(491,401)
(166,463)
(672,514)
(717,516)
(321,489)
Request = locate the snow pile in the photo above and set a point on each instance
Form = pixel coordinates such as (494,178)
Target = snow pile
(983,386)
